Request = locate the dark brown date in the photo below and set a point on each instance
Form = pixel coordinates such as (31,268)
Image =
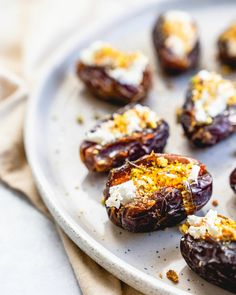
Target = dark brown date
(101,158)
(223,47)
(215,261)
(98,82)
(232,180)
(170,63)
(163,208)
(205,135)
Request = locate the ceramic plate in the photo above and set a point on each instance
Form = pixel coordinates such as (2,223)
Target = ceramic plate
(53,136)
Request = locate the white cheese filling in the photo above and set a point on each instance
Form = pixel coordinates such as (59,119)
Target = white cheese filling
(105,133)
(131,75)
(193,176)
(217,104)
(200,226)
(176,44)
(122,193)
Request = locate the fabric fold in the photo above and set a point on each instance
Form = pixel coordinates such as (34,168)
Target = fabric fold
(16,174)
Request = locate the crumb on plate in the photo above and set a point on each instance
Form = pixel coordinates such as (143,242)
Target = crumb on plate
(80,120)
(215,203)
(172,276)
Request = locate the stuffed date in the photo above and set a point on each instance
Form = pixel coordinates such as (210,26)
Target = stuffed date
(129,133)
(232,180)
(156,191)
(209,248)
(175,38)
(209,113)
(227,46)
(114,76)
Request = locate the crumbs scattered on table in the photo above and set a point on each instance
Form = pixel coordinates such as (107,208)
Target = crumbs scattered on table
(172,276)
(80,120)
(215,203)
(160,276)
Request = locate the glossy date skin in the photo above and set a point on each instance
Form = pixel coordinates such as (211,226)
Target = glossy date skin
(214,261)
(104,87)
(102,158)
(166,207)
(206,135)
(232,180)
(170,63)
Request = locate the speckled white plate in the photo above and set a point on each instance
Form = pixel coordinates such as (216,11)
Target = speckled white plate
(53,136)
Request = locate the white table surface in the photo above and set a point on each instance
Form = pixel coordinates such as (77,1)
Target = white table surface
(32,258)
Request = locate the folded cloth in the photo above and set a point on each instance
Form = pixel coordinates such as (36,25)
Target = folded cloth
(15,172)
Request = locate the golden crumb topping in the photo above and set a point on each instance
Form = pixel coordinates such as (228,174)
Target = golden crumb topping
(126,68)
(114,57)
(212,225)
(131,121)
(141,116)
(180,31)
(211,95)
(229,34)
(212,84)
(166,174)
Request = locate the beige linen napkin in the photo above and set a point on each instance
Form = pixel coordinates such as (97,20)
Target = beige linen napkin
(28,38)
(15,172)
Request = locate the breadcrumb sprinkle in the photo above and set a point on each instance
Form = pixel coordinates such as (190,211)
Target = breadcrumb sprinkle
(215,203)
(211,85)
(114,57)
(211,95)
(212,226)
(182,30)
(164,174)
(133,120)
(172,276)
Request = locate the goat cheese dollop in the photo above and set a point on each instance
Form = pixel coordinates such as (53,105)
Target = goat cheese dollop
(180,32)
(211,95)
(211,226)
(126,68)
(122,193)
(133,120)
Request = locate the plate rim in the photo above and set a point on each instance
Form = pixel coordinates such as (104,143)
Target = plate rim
(115,265)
